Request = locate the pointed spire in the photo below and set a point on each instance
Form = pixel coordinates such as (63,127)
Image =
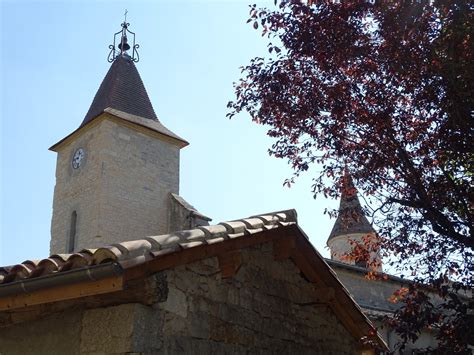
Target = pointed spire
(122,89)
(123,94)
(351,218)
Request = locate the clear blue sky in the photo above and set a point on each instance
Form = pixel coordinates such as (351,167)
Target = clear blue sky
(53,60)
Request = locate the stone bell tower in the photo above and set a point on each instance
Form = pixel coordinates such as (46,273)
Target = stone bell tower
(351,225)
(116,172)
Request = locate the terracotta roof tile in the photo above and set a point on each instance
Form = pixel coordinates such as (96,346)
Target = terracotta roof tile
(188,245)
(253,223)
(215,240)
(129,253)
(235,226)
(78,260)
(172,248)
(214,231)
(236,235)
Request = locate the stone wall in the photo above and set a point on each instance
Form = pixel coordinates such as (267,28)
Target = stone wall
(55,334)
(267,307)
(373,296)
(121,192)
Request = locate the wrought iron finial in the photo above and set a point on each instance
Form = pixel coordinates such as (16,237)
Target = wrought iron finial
(122,47)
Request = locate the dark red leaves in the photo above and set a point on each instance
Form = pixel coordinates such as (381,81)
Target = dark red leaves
(386,90)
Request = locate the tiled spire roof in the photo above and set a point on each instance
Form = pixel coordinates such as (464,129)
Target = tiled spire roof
(122,89)
(351,218)
(123,95)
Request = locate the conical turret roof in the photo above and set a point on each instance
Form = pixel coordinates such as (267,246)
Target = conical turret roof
(123,95)
(122,89)
(351,218)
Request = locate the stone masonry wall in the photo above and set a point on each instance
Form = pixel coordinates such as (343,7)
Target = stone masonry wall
(373,296)
(77,190)
(368,293)
(120,193)
(266,308)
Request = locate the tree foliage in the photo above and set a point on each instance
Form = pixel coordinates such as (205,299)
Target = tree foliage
(384,90)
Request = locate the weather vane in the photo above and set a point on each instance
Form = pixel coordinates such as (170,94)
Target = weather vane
(123,45)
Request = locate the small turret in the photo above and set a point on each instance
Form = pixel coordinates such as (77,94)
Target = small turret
(351,227)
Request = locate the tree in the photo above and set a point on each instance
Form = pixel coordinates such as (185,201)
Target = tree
(385,91)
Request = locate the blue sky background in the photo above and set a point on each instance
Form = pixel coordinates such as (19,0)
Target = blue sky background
(53,59)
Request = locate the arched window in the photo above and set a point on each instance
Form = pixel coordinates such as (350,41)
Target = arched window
(72,233)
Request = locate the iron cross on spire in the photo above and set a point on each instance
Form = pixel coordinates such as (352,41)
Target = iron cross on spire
(121,44)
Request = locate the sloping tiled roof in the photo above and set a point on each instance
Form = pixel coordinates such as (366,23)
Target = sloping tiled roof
(137,251)
(351,217)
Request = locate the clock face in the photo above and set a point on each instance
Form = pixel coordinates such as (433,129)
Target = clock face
(78,158)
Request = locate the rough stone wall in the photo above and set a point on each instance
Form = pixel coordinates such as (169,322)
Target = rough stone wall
(373,296)
(368,293)
(266,308)
(56,334)
(77,190)
(120,192)
(110,330)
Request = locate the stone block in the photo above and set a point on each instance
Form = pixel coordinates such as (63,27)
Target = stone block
(108,329)
(176,302)
(56,334)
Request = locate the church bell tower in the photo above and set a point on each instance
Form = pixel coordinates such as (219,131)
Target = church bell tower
(116,172)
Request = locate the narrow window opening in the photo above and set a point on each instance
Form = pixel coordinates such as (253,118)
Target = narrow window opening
(72,233)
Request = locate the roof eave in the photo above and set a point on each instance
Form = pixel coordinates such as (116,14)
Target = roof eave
(134,120)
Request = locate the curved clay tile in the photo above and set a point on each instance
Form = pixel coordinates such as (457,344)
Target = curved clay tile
(63,257)
(235,227)
(106,254)
(253,223)
(79,260)
(167,239)
(19,272)
(133,248)
(214,231)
